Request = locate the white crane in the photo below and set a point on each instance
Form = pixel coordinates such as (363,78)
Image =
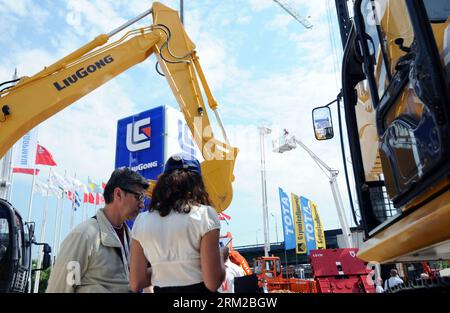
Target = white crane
(287,143)
(294,14)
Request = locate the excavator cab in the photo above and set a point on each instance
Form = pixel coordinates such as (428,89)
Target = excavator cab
(395,89)
(16,239)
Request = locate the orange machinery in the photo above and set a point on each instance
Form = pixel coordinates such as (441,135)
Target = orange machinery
(269,270)
(235,256)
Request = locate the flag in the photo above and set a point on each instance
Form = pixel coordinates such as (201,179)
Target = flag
(76,184)
(308,222)
(103,185)
(55,191)
(59,181)
(70,195)
(76,201)
(99,199)
(93,187)
(299,225)
(98,189)
(91,198)
(20,170)
(25,153)
(40,188)
(85,192)
(288,224)
(223,216)
(318,227)
(44,157)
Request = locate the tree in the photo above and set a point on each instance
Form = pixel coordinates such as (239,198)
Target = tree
(43,279)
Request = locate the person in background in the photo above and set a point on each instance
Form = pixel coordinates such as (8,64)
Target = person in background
(394,280)
(231,271)
(94,256)
(179,235)
(379,286)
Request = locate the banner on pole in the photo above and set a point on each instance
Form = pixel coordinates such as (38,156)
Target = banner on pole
(318,227)
(299,225)
(25,151)
(310,236)
(288,224)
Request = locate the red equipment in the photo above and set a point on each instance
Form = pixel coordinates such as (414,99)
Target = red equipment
(340,271)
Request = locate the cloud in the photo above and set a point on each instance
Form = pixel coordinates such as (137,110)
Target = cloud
(20,12)
(18,7)
(84,16)
(259,5)
(243,20)
(280,21)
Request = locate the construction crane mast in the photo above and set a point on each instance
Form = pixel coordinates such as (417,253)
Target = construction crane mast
(294,14)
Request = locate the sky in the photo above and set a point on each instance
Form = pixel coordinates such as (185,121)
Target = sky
(264,69)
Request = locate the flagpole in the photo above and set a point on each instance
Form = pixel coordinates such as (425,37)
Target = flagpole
(72,217)
(84,210)
(61,217)
(32,193)
(29,215)
(58,213)
(60,221)
(42,237)
(75,206)
(10,177)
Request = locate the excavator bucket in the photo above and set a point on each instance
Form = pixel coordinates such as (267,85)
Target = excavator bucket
(218,176)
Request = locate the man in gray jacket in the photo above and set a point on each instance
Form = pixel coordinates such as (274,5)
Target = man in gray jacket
(94,257)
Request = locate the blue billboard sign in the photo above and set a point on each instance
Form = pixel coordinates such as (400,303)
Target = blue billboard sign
(140,142)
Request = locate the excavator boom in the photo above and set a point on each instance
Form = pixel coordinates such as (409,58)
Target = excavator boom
(35,99)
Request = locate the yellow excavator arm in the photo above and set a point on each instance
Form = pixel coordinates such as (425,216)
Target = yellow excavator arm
(34,99)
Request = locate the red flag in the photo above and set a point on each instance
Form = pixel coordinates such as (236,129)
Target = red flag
(70,195)
(44,157)
(99,199)
(85,198)
(25,170)
(103,185)
(224,217)
(91,198)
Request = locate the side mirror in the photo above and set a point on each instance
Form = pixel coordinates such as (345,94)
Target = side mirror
(323,125)
(30,234)
(31,229)
(46,262)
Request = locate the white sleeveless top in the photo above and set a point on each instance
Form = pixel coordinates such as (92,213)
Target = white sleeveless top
(172,243)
